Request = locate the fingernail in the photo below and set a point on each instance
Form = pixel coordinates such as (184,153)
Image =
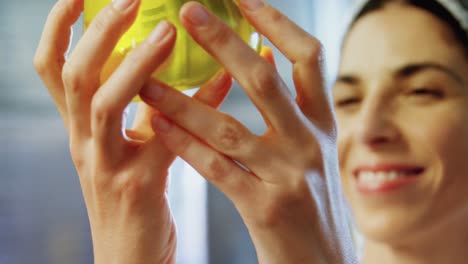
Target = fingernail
(161,124)
(121,5)
(252,5)
(153,92)
(158,34)
(198,15)
(219,76)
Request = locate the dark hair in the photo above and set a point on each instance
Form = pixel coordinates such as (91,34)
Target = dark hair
(431,6)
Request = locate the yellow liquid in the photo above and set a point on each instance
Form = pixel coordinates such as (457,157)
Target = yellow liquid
(189,65)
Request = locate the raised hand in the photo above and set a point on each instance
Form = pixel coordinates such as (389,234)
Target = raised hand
(123,177)
(284,183)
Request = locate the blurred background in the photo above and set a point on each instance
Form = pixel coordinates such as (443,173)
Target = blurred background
(42,214)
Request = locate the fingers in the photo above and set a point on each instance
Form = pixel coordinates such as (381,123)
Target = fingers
(258,77)
(312,95)
(136,135)
(50,54)
(111,99)
(215,90)
(280,30)
(222,132)
(218,169)
(82,70)
(303,50)
(142,121)
(211,93)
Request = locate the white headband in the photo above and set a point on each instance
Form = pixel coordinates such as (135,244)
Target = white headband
(458,11)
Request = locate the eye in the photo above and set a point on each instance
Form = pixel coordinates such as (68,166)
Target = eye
(435,93)
(347,102)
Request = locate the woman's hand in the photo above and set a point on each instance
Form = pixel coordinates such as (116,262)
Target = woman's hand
(123,178)
(284,183)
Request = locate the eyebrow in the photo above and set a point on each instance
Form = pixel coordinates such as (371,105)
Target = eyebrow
(412,69)
(348,79)
(405,72)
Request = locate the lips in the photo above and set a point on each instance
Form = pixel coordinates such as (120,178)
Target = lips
(385,178)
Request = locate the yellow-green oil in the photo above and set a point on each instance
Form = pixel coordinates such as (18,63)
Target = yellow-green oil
(189,65)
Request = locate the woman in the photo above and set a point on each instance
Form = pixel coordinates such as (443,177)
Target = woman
(401,101)
(287,188)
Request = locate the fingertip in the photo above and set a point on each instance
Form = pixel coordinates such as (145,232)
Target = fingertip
(65,12)
(163,32)
(135,135)
(75,4)
(222,78)
(267,53)
(194,14)
(214,91)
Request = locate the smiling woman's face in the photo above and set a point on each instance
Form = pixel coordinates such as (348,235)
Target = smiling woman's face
(402,109)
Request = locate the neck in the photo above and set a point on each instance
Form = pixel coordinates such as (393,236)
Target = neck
(440,245)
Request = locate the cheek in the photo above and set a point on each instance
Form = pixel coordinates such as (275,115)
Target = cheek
(451,143)
(442,139)
(445,137)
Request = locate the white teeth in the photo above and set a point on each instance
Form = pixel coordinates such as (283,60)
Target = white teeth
(378,177)
(381,176)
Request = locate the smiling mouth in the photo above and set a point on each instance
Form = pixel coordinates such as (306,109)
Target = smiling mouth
(374,182)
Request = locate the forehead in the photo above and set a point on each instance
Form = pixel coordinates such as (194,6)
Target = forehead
(397,35)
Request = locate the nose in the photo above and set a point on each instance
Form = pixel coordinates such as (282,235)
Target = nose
(377,125)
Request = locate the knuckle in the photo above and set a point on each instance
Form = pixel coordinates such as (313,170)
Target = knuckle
(216,169)
(183,144)
(101,109)
(77,156)
(264,80)
(313,51)
(101,22)
(276,16)
(142,58)
(137,55)
(229,135)
(71,78)
(176,111)
(41,64)
(221,37)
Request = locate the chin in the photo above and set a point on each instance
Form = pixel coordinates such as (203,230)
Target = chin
(389,225)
